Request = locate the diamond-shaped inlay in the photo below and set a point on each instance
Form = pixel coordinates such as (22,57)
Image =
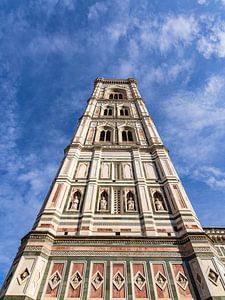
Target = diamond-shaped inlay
(23,276)
(182,280)
(54,280)
(139,280)
(160,280)
(118,280)
(213,276)
(76,280)
(97,280)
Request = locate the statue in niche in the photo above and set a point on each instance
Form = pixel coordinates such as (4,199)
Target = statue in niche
(130,202)
(103,201)
(75,201)
(159,206)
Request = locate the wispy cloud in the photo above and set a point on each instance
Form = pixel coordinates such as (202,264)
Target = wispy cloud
(196,120)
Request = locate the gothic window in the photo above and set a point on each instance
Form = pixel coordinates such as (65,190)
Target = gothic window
(116,96)
(124,112)
(105,136)
(127,136)
(108,111)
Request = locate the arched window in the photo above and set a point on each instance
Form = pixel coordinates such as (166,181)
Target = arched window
(105,136)
(127,136)
(108,111)
(124,111)
(108,135)
(124,136)
(130,136)
(116,94)
(102,135)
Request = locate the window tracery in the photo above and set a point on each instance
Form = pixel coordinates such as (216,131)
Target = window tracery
(105,135)
(127,135)
(116,96)
(124,111)
(108,111)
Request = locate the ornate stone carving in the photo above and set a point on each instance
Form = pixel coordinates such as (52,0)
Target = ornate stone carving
(118,280)
(76,280)
(75,200)
(97,280)
(103,202)
(181,280)
(213,276)
(160,280)
(139,280)
(130,204)
(55,280)
(23,276)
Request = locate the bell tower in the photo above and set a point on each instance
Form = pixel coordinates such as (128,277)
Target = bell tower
(116,223)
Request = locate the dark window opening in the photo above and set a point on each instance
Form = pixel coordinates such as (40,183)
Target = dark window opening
(102,136)
(124,136)
(127,136)
(108,136)
(130,136)
(111,96)
(105,136)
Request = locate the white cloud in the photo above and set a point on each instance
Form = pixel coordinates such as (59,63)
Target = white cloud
(196,120)
(96,10)
(174,31)
(212,41)
(179,29)
(214,177)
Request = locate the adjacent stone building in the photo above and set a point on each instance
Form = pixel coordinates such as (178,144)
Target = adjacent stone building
(117,223)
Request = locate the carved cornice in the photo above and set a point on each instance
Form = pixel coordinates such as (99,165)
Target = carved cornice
(115,80)
(216,234)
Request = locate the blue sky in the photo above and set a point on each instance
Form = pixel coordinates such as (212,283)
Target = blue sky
(50,53)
